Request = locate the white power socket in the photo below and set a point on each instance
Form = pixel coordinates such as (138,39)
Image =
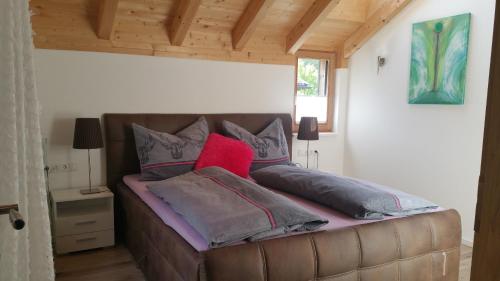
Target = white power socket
(62,168)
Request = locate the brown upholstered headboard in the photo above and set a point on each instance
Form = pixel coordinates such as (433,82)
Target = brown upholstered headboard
(121,156)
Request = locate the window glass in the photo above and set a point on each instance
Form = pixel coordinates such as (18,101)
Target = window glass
(312,89)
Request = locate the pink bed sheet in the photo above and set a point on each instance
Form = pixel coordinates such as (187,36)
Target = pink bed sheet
(336,219)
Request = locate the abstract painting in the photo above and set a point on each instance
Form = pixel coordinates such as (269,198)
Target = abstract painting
(438,60)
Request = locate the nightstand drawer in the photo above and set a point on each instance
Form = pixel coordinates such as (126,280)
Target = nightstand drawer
(72,243)
(84,223)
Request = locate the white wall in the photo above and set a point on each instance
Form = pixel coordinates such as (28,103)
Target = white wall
(430,150)
(80,84)
(330,145)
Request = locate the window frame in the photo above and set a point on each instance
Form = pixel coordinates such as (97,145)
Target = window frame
(304,54)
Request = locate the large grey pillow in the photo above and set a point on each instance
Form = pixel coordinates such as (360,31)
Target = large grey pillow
(269,146)
(163,155)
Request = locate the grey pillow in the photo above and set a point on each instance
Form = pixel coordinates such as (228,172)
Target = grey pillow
(269,146)
(163,155)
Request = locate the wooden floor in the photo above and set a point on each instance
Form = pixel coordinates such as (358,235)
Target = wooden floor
(116,264)
(108,264)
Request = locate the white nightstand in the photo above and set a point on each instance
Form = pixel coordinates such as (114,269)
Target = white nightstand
(82,222)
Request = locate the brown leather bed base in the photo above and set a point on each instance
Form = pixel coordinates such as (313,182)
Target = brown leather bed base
(423,247)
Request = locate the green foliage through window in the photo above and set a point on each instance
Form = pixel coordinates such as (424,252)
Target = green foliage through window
(311,77)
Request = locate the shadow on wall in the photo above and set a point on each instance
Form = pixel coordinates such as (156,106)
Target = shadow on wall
(102,153)
(61,146)
(61,133)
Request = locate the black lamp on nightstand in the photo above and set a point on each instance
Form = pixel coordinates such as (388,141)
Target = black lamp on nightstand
(308,130)
(88,136)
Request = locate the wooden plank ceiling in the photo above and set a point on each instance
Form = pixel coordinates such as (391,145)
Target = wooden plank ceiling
(262,31)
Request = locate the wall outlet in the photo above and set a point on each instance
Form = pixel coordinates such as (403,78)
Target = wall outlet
(62,168)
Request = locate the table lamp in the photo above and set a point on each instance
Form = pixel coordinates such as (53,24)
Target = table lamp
(88,136)
(308,130)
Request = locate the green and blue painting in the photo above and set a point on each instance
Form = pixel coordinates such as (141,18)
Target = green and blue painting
(439,60)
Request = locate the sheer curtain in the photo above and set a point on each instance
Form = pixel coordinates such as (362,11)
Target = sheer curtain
(25,254)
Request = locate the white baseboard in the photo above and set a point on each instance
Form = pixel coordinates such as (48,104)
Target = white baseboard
(467,243)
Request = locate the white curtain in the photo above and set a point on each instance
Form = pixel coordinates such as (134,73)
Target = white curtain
(25,254)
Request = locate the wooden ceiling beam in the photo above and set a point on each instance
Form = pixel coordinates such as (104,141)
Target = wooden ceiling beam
(340,60)
(247,23)
(318,11)
(181,20)
(373,24)
(106,18)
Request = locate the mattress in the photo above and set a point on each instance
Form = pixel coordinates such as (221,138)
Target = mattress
(336,219)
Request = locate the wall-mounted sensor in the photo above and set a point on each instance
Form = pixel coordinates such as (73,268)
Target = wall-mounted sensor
(380,63)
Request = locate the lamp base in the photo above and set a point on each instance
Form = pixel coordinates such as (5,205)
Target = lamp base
(91,191)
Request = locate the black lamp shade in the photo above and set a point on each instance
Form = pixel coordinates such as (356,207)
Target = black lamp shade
(87,134)
(308,129)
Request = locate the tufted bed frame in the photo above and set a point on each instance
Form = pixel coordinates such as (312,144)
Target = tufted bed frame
(423,247)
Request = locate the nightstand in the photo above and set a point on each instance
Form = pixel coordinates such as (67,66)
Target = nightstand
(82,222)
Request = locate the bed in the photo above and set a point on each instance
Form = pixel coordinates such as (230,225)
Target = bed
(421,247)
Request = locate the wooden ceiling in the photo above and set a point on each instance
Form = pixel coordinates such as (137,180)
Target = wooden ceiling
(262,31)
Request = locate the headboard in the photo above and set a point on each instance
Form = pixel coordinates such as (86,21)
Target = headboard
(121,156)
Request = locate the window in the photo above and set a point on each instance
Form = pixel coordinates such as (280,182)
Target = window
(314,89)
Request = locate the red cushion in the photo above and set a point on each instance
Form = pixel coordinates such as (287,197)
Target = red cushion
(233,155)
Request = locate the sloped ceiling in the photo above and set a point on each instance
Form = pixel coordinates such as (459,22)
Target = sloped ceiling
(145,26)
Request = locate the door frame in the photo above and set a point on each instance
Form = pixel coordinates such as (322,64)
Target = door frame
(486,250)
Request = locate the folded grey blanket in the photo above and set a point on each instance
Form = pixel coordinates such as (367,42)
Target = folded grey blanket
(358,199)
(225,208)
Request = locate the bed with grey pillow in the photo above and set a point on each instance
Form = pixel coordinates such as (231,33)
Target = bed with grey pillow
(356,198)
(270,146)
(225,208)
(163,155)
